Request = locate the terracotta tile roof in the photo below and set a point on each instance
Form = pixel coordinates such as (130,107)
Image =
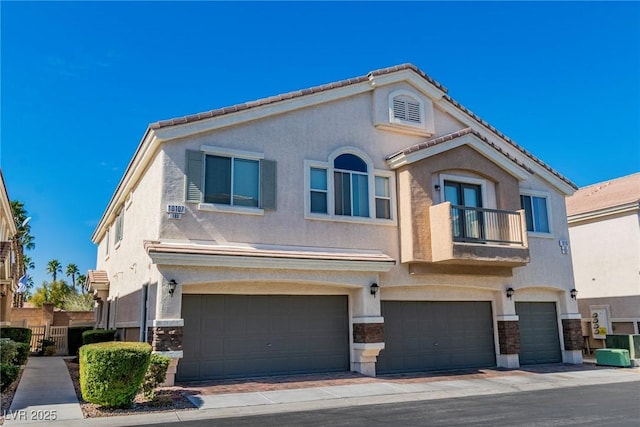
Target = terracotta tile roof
(457,134)
(97,276)
(348,82)
(607,194)
(291,95)
(510,141)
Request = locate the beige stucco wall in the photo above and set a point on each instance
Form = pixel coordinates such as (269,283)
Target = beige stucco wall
(606,256)
(127,264)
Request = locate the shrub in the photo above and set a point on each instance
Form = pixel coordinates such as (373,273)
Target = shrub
(47,347)
(22,353)
(98,335)
(112,372)
(8,351)
(8,374)
(16,334)
(156,373)
(74,336)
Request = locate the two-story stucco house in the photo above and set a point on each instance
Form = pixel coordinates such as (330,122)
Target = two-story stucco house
(604,227)
(372,224)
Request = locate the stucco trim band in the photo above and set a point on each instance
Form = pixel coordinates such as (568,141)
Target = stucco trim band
(164,323)
(244,257)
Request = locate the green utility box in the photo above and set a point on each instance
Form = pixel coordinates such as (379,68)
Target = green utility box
(613,357)
(630,342)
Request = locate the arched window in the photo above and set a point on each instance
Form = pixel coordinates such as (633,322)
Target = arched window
(348,186)
(351,186)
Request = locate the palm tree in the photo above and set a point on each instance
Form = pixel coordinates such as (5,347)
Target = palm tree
(81,279)
(54,267)
(72,271)
(23,238)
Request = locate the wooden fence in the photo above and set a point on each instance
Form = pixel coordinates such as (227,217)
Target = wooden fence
(58,334)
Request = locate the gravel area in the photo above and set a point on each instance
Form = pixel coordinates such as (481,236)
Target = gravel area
(167,399)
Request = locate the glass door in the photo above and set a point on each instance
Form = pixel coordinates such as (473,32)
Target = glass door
(465,199)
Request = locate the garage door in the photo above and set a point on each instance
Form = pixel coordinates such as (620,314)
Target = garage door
(230,336)
(429,335)
(539,338)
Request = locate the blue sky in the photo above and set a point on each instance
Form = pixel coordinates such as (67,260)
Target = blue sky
(81,81)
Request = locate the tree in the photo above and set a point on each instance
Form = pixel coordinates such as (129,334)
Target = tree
(54,267)
(78,302)
(23,240)
(81,281)
(72,271)
(28,265)
(55,292)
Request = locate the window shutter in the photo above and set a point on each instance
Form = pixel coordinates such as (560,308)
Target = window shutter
(413,112)
(268,184)
(193,190)
(399,109)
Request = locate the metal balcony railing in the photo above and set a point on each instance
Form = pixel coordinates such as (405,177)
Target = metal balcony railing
(481,225)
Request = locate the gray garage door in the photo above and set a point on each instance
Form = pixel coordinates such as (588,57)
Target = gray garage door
(230,336)
(429,335)
(539,339)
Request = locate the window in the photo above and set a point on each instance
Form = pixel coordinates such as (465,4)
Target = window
(119,225)
(350,181)
(231,181)
(347,188)
(318,190)
(106,242)
(536,213)
(383,198)
(238,179)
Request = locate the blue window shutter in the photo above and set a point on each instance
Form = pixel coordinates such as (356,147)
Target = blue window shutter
(268,183)
(193,184)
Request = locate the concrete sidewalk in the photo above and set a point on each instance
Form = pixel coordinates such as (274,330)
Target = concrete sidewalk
(45,394)
(36,394)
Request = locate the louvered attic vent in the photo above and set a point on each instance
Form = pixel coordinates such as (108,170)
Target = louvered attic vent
(406,110)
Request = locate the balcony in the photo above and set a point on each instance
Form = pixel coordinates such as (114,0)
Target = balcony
(464,235)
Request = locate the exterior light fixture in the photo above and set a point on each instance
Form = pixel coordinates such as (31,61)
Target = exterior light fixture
(374,289)
(172,286)
(510,292)
(574,293)
(437,187)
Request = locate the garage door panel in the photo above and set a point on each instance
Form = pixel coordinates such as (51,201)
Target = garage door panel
(539,335)
(430,335)
(249,335)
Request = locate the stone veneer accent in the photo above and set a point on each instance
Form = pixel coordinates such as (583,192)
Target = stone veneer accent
(572,334)
(165,338)
(509,336)
(368,332)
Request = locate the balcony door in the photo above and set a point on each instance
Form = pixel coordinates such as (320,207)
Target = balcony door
(465,198)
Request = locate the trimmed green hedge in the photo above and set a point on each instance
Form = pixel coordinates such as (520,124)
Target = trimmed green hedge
(16,334)
(8,351)
(22,353)
(8,374)
(74,335)
(156,374)
(98,335)
(111,373)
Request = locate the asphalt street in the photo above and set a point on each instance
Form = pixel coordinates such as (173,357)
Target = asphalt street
(599,405)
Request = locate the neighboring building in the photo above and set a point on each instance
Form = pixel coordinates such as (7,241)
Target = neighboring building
(8,279)
(604,227)
(372,224)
